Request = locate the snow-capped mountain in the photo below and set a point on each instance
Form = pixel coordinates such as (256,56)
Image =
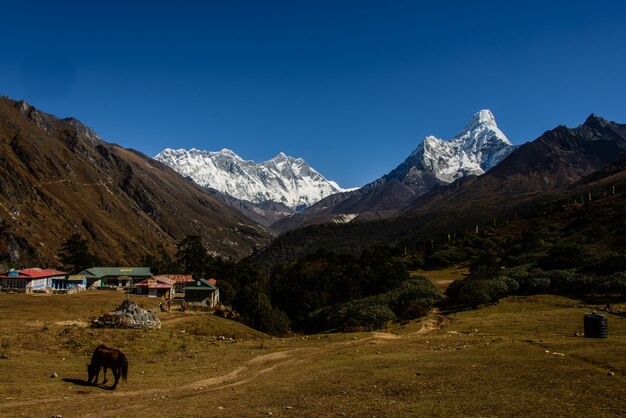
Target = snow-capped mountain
(435,162)
(282,179)
(474,150)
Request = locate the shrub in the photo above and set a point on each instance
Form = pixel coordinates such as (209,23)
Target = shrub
(445,258)
(610,265)
(411,299)
(564,255)
(370,317)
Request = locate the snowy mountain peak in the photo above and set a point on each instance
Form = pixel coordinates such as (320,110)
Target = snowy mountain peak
(482,117)
(474,150)
(226,151)
(282,179)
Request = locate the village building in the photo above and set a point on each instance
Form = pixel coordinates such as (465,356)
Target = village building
(71,283)
(203,292)
(32,279)
(157,286)
(115,277)
(181,280)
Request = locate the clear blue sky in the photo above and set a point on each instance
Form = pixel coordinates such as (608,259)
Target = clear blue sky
(350,86)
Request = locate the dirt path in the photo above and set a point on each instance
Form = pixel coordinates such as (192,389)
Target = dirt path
(249,370)
(434,322)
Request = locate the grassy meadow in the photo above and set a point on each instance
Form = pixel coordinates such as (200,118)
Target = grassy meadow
(521,356)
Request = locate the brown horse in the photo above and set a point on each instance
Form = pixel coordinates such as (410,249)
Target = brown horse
(108,358)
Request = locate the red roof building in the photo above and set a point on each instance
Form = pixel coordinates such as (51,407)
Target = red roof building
(32,278)
(156,286)
(181,280)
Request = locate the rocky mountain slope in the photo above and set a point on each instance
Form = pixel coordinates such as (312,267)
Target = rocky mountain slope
(283,179)
(57,178)
(543,179)
(556,159)
(264,213)
(477,148)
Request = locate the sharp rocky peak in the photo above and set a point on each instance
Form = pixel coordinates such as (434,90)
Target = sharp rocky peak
(482,117)
(474,150)
(284,157)
(594,120)
(226,151)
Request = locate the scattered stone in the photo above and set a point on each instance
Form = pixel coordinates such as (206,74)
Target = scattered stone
(220,407)
(288,407)
(558,354)
(55,374)
(547,351)
(222,338)
(128,315)
(610,374)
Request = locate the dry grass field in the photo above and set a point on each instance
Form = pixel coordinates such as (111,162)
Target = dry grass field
(519,357)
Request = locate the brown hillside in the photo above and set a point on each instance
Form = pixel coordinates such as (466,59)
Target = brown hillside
(57,178)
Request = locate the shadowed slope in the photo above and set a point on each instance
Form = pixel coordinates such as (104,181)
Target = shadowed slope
(57,178)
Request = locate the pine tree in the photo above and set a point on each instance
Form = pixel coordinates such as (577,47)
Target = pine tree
(192,256)
(75,255)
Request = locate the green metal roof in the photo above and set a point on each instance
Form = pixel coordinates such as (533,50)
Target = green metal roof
(201,284)
(100,272)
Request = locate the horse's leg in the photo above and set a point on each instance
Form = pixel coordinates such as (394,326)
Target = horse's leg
(116,374)
(97,375)
(105,376)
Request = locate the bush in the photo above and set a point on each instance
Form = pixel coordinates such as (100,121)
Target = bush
(562,256)
(475,291)
(445,258)
(411,299)
(610,265)
(370,317)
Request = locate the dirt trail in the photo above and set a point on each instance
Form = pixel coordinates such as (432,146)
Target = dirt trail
(434,322)
(251,369)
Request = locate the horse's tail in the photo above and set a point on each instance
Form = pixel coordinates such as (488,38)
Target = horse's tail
(124,365)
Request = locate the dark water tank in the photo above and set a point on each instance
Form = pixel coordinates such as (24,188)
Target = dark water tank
(596,326)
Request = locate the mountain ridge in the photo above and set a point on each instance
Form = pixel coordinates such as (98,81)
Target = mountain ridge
(58,178)
(282,179)
(478,147)
(562,166)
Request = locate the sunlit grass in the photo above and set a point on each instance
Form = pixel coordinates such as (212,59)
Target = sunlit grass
(495,361)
